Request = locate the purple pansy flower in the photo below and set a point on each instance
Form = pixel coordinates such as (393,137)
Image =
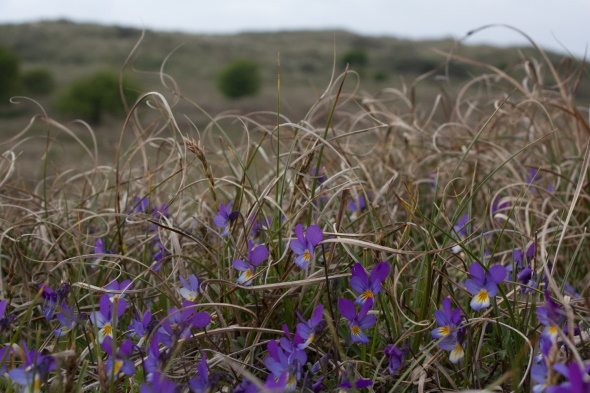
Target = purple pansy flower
(304,245)
(159,256)
(256,256)
(552,315)
(67,320)
(246,387)
(225,217)
(368,287)
(446,320)
(115,286)
(141,327)
(156,359)
(460,229)
(499,207)
(321,177)
(356,207)
(533,176)
(359,321)
(308,330)
(258,227)
(52,298)
(159,384)
(105,318)
(348,383)
(118,362)
(455,344)
(482,285)
(577,379)
(5,320)
(202,382)
(141,205)
(284,366)
(34,371)
(190,290)
(396,358)
(179,323)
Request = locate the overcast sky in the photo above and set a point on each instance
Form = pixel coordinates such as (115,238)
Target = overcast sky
(553,24)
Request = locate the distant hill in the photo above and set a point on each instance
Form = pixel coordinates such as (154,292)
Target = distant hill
(70,50)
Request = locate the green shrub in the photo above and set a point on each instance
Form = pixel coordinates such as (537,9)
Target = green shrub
(9,74)
(357,57)
(38,81)
(240,78)
(92,96)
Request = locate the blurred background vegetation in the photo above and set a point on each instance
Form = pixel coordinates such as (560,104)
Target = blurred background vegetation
(72,71)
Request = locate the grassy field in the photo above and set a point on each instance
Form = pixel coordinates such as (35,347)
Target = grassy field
(373,241)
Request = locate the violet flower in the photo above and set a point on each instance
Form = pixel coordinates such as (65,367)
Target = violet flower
(460,229)
(246,387)
(284,366)
(499,207)
(482,285)
(577,379)
(34,371)
(190,290)
(142,327)
(156,360)
(258,227)
(106,319)
(552,315)
(308,330)
(225,217)
(120,361)
(446,320)
(52,298)
(359,321)
(66,319)
(5,320)
(141,205)
(368,287)
(159,256)
(396,358)
(115,286)
(255,257)
(304,245)
(455,344)
(159,384)
(202,382)
(179,323)
(321,177)
(356,207)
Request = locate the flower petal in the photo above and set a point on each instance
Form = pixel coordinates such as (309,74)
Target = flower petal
(477,272)
(240,265)
(258,255)
(314,235)
(497,273)
(380,272)
(347,308)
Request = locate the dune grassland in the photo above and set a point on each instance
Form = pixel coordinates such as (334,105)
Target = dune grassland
(377,242)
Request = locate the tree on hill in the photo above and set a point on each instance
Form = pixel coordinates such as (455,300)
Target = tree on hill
(92,96)
(9,74)
(38,81)
(239,78)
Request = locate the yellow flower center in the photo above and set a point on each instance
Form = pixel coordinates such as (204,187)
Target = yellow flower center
(307,255)
(552,330)
(355,330)
(482,296)
(445,330)
(117,367)
(107,329)
(367,294)
(37,384)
